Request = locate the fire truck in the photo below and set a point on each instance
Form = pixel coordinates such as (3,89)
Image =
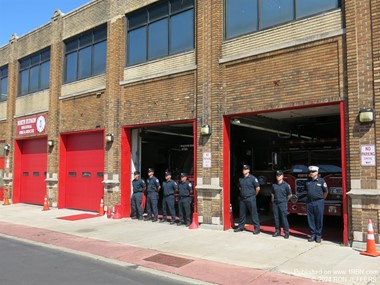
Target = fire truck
(294,162)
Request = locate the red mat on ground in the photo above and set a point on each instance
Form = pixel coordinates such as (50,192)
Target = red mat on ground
(79,217)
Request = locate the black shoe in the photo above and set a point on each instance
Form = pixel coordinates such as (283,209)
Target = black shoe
(180,224)
(256,232)
(311,239)
(140,219)
(163,221)
(238,230)
(276,234)
(154,220)
(172,222)
(187,225)
(318,240)
(147,220)
(133,218)
(286,236)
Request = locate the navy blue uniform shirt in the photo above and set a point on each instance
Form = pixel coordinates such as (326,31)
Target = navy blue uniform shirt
(281,192)
(138,185)
(315,188)
(248,185)
(169,187)
(184,188)
(153,184)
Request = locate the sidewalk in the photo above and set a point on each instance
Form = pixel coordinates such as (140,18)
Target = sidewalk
(218,257)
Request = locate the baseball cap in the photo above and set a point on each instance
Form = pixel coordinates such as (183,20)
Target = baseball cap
(313,168)
(150,169)
(136,173)
(246,166)
(279,173)
(168,173)
(183,174)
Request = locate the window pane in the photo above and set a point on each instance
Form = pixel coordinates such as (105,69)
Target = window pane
(178,5)
(71,45)
(35,59)
(24,63)
(241,17)
(4,89)
(100,55)
(182,32)
(307,8)
(45,75)
(158,11)
(71,67)
(34,76)
(85,39)
(45,55)
(24,77)
(84,63)
(158,39)
(274,12)
(137,19)
(137,46)
(100,34)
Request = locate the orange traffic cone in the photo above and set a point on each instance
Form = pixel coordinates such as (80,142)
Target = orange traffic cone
(371,245)
(6,199)
(232,221)
(109,212)
(101,208)
(117,212)
(46,205)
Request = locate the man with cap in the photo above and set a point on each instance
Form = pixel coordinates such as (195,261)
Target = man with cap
(185,189)
(153,186)
(281,194)
(317,191)
(139,187)
(169,187)
(249,187)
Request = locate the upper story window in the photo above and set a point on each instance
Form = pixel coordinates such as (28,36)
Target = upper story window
(86,54)
(160,30)
(34,72)
(3,83)
(247,16)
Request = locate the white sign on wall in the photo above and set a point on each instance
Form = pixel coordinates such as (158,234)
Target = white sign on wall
(207,160)
(368,155)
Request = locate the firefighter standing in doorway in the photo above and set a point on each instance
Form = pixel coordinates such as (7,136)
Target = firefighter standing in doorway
(139,187)
(281,194)
(153,186)
(185,189)
(249,188)
(169,187)
(317,191)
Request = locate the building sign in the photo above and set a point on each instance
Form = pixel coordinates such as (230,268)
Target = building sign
(207,160)
(31,125)
(368,155)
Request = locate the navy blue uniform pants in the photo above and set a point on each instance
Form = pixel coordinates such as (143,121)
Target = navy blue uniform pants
(248,205)
(168,201)
(280,214)
(136,205)
(315,217)
(151,204)
(184,209)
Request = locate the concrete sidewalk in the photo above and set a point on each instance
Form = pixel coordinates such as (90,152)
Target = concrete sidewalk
(218,257)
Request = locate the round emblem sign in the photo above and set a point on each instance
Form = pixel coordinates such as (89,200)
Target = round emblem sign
(40,124)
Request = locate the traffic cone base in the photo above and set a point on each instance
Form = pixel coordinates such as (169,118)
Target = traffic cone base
(117,212)
(101,208)
(194,224)
(6,201)
(371,245)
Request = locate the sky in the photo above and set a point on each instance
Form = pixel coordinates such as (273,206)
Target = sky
(23,16)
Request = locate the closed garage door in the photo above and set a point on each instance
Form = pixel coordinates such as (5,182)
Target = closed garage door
(33,171)
(84,171)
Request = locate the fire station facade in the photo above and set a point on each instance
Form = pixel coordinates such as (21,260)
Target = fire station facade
(81,95)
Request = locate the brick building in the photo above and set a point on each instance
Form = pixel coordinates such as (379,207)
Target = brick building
(196,86)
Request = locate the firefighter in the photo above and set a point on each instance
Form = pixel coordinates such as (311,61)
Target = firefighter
(185,189)
(281,193)
(169,187)
(139,187)
(153,186)
(249,187)
(317,191)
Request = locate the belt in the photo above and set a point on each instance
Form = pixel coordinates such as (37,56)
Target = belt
(184,196)
(168,195)
(246,197)
(313,200)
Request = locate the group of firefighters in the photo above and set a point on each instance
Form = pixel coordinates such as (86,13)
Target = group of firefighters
(316,189)
(170,190)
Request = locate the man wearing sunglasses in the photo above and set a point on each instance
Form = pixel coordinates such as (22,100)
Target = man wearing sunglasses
(317,191)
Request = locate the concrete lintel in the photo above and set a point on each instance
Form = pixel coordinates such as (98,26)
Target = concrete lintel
(364,192)
(208,187)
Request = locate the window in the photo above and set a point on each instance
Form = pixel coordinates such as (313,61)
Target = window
(160,30)
(248,16)
(86,54)
(34,73)
(3,83)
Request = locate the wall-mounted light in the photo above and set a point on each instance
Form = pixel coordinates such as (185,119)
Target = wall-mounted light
(7,147)
(50,143)
(109,138)
(366,115)
(206,130)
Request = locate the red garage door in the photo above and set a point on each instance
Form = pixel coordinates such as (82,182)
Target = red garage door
(84,171)
(33,171)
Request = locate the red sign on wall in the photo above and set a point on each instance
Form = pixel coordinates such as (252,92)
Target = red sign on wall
(31,125)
